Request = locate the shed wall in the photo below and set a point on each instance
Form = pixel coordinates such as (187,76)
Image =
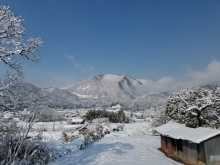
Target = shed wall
(185,150)
(192,153)
(212,151)
(163,142)
(180,154)
(179,150)
(201,152)
(170,146)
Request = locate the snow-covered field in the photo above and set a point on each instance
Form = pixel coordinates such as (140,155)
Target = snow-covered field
(133,146)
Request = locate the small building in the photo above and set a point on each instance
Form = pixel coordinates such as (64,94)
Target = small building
(76,121)
(196,146)
(86,129)
(70,113)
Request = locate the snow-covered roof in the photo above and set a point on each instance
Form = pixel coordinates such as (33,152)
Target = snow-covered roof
(87,126)
(114,126)
(90,127)
(200,134)
(77,120)
(179,131)
(118,106)
(168,126)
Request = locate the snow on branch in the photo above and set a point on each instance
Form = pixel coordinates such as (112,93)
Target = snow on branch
(11,40)
(191,106)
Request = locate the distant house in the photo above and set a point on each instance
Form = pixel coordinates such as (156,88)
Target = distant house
(199,146)
(70,114)
(76,121)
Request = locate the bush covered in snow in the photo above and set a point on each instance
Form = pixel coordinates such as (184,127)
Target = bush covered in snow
(159,119)
(68,137)
(16,148)
(102,126)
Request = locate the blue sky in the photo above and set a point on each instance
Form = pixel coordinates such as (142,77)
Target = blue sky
(143,39)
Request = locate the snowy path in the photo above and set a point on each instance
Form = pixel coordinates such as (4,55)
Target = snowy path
(129,147)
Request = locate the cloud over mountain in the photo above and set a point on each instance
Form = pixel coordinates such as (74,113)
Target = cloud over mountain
(210,75)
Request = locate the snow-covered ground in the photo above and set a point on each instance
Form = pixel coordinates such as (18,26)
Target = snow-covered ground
(50,125)
(133,146)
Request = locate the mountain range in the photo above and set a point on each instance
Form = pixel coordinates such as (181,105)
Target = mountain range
(101,91)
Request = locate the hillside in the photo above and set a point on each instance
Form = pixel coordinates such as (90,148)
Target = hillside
(51,97)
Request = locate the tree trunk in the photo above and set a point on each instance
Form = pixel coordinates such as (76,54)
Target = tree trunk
(198,118)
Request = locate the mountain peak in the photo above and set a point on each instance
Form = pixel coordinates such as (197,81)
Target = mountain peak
(108,85)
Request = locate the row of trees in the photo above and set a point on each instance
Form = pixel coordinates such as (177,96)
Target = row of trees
(114,117)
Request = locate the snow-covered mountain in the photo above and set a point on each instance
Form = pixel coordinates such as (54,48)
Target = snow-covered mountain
(108,89)
(51,97)
(102,91)
(108,85)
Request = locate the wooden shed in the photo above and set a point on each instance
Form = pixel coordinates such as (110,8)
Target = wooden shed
(200,146)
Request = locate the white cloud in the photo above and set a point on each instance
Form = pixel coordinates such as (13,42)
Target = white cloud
(193,78)
(161,85)
(209,76)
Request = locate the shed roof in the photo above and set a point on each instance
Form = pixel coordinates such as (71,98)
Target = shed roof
(87,126)
(179,131)
(163,129)
(200,134)
(77,120)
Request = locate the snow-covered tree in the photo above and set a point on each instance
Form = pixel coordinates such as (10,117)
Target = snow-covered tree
(14,146)
(101,125)
(194,107)
(12,43)
(159,119)
(13,47)
(12,95)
